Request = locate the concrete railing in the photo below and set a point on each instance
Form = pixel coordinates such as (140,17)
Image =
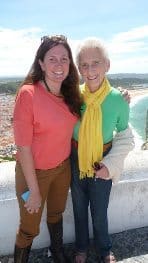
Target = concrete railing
(128,207)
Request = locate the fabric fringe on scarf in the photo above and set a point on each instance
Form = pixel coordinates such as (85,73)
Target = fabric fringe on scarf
(90,146)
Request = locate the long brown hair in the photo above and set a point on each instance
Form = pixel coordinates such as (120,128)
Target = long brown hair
(70,86)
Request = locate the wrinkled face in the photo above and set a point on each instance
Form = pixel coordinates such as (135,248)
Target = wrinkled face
(93,67)
(56,65)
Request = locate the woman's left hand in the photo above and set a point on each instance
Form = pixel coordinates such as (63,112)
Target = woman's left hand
(102,173)
(33,203)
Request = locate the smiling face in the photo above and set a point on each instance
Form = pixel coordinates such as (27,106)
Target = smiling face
(93,67)
(55,65)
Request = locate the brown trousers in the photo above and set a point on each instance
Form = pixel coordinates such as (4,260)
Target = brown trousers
(54,185)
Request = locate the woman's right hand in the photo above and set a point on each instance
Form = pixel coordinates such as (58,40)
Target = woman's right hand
(33,203)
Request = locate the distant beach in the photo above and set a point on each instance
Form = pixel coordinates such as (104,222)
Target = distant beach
(138,92)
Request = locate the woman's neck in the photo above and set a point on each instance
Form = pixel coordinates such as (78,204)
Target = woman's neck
(53,90)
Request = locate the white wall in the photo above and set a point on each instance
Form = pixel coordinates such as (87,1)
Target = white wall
(128,207)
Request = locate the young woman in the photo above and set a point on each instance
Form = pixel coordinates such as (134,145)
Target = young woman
(46,110)
(97,157)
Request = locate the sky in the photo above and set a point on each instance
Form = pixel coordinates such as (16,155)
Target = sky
(122,25)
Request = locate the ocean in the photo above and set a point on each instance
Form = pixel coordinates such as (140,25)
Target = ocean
(138,115)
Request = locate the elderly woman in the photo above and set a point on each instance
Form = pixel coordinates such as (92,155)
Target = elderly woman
(97,157)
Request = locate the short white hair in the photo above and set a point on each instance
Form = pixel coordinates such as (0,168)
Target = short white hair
(91,42)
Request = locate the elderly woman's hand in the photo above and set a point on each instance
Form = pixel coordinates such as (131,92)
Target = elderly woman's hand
(102,173)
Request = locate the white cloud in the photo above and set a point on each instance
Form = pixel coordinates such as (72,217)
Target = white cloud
(137,64)
(132,41)
(128,50)
(119,48)
(17,50)
(133,34)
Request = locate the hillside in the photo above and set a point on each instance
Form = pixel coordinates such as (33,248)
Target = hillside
(128,75)
(128,80)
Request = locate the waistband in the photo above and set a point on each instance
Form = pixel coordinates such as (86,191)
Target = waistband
(106,146)
(63,163)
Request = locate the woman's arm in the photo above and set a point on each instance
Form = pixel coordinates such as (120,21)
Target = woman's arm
(113,162)
(26,160)
(23,125)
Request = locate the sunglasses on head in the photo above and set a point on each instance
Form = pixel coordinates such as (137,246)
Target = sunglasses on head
(54,38)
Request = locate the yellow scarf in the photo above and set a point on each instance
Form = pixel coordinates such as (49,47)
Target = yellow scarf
(90,147)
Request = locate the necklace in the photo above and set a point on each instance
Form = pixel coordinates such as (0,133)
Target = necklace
(52,92)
